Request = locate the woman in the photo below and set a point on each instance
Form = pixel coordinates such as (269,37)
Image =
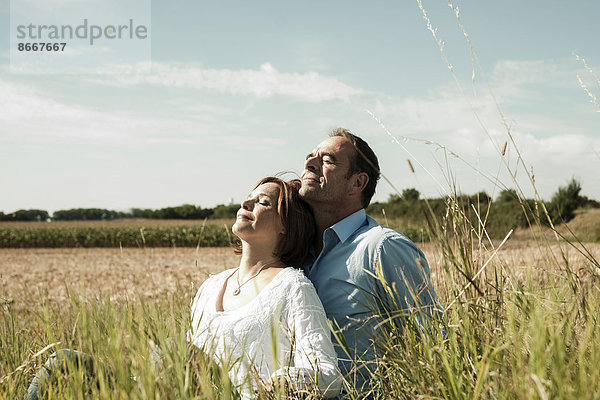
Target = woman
(263,320)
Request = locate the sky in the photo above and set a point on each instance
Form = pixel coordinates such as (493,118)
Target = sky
(220,94)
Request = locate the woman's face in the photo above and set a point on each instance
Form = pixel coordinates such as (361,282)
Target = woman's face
(257,219)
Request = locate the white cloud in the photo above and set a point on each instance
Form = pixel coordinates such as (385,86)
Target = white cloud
(452,122)
(555,144)
(446,113)
(463,118)
(264,82)
(34,3)
(27,115)
(528,81)
(571,148)
(517,72)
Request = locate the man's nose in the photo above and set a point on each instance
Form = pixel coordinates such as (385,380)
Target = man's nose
(311,163)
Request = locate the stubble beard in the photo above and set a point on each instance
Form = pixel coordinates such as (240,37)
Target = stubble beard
(317,195)
(312,194)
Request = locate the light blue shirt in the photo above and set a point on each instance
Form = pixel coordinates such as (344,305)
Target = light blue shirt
(358,256)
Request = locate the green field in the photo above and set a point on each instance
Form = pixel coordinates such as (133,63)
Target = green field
(80,235)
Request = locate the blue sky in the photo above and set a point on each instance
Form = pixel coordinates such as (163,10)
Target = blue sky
(240,90)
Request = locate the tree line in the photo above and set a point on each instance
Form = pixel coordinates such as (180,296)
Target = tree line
(507,209)
(185,211)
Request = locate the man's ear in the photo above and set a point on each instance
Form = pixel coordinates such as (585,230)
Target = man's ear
(359,182)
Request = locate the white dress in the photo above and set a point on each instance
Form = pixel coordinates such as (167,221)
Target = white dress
(282,332)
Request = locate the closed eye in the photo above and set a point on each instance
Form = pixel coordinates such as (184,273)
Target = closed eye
(264,201)
(327,159)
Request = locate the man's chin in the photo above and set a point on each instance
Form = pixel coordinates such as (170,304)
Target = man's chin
(307,192)
(311,195)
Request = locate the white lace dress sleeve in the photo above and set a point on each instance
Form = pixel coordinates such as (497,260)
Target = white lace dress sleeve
(314,359)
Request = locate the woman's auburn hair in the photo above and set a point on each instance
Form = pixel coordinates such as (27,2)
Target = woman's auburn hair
(297,220)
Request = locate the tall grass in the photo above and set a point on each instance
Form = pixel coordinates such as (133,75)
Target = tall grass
(503,336)
(123,338)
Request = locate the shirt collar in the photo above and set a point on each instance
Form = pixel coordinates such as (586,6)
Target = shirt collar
(346,227)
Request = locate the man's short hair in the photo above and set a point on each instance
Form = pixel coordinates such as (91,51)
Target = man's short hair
(364,160)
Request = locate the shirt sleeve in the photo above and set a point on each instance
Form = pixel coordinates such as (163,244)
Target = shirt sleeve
(314,363)
(404,279)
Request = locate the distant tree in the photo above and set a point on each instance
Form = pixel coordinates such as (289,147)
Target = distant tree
(481,198)
(565,201)
(142,213)
(225,211)
(27,215)
(86,214)
(586,202)
(186,211)
(410,194)
(394,198)
(166,213)
(507,195)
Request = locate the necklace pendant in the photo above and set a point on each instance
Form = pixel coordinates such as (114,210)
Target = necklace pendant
(237,276)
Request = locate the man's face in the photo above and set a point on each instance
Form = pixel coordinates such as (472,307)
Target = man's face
(325,176)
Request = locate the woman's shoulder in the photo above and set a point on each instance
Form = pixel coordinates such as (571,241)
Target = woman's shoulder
(300,294)
(293,280)
(294,276)
(213,279)
(223,274)
(220,275)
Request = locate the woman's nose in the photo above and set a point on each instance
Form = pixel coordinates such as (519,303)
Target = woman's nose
(247,205)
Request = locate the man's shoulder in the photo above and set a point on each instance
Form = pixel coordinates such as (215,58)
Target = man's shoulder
(382,236)
(373,231)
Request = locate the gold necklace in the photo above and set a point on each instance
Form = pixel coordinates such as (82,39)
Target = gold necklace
(237,277)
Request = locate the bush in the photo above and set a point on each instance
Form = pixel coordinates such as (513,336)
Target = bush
(410,194)
(225,212)
(86,214)
(565,201)
(25,215)
(507,196)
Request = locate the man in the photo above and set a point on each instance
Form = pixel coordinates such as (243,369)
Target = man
(355,260)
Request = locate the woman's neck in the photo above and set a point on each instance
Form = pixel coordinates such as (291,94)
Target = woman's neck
(256,257)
